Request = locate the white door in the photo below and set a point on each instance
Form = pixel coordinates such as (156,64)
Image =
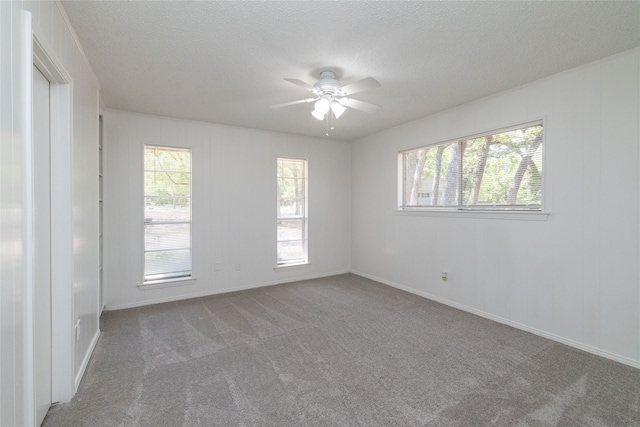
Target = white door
(42,244)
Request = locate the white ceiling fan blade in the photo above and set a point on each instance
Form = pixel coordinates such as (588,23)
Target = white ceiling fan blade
(301,101)
(359,105)
(359,86)
(301,84)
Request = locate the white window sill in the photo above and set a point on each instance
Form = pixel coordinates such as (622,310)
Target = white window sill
(291,266)
(167,283)
(476,214)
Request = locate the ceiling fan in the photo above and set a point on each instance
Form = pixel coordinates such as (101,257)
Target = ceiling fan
(331,96)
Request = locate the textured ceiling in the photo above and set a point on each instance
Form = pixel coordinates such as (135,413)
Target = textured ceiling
(224,62)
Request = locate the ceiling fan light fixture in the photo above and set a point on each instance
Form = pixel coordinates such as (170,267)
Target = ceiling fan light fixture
(337,109)
(321,108)
(317,114)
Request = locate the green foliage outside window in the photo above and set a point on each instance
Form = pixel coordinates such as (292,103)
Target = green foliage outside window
(495,170)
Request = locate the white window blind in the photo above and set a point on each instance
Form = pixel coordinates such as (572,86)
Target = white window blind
(292,212)
(167,213)
(499,170)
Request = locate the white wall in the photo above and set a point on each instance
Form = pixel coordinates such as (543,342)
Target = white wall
(57,40)
(573,277)
(234,205)
(14,308)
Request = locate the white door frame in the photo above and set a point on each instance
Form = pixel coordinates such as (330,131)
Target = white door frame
(41,241)
(62,336)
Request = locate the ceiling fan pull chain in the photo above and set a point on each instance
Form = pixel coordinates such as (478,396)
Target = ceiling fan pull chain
(326,121)
(331,118)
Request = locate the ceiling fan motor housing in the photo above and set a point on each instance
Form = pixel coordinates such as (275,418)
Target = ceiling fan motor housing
(327,85)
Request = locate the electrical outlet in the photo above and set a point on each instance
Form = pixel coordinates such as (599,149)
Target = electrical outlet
(444,275)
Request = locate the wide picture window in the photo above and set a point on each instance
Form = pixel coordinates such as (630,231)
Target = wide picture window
(167,213)
(496,171)
(291,212)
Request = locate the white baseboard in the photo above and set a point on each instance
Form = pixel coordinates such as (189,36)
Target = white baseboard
(220,291)
(539,332)
(85,362)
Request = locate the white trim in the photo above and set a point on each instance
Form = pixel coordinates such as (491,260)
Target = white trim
(48,65)
(285,267)
(638,310)
(85,361)
(62,322)
(26,116)
(476,214)
(593,350)
(220,291)
(167,283)
(62,261)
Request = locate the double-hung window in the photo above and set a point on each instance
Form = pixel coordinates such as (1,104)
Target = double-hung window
(291,212)
(167,213)
(501,170)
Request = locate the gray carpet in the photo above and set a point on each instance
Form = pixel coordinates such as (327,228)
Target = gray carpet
(338,351)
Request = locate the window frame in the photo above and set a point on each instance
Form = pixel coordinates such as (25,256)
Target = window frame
(158,280)
(537,212)
(302,261)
